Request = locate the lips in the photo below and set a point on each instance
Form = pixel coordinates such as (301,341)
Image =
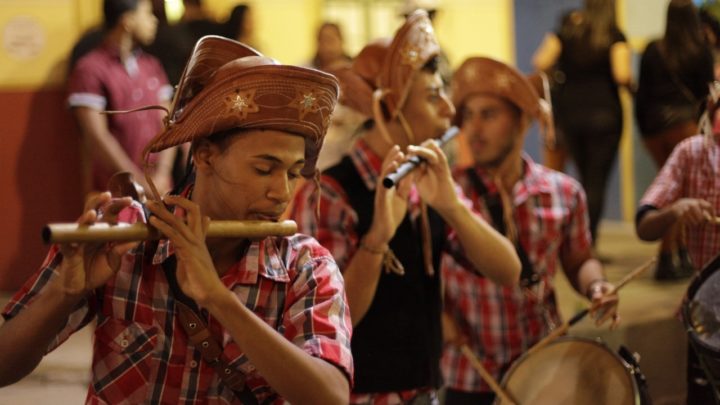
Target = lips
(266,216)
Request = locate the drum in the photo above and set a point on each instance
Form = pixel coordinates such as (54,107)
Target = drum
(571,370)
(701,316)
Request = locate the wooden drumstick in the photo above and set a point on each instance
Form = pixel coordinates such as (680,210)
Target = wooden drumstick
(489,379)
(712,219)
(560,330)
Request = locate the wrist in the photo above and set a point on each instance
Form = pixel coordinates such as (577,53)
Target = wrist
(217,300)
(373,245)
(594,286)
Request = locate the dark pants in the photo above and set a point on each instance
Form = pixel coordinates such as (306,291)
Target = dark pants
(594,156)
(454,397)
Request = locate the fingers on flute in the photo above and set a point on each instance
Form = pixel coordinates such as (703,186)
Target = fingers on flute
(193,217)
(112,208)
(426,153)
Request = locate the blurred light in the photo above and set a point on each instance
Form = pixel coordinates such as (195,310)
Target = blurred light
(174,10)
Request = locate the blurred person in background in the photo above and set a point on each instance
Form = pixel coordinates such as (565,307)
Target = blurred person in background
(593,57)
(675,71)
(331,56)
(117,75)
(240,25)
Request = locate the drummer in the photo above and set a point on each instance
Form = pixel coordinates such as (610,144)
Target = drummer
(271,320)
(685,191)
(543,212)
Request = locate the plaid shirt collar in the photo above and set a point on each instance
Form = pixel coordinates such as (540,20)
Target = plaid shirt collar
(262,258)
(531,183)
(367,162)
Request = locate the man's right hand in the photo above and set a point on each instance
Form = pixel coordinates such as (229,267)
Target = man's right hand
(692,211)
(86,266)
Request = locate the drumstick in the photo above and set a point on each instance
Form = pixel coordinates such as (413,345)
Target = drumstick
(712,219)
(560,330)
(489,379)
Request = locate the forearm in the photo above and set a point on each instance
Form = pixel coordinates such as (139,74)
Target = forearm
(590,271)
(362,276)
(655,223)
(296,375)
(25,338)
(490,252)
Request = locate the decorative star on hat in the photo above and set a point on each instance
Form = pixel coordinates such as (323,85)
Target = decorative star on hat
(242,103)
(306,101)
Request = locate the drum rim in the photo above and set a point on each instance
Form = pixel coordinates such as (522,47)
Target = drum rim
(698,280)
(564,339)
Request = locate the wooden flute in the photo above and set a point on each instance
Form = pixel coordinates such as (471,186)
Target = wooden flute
(103,232)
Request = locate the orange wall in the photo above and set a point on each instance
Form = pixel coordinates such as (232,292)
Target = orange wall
(39,176)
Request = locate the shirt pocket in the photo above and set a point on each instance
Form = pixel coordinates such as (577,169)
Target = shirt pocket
(123,364)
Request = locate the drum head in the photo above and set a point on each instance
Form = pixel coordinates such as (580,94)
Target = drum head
(571,371)
(702,309)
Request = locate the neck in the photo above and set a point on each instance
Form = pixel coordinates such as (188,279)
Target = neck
(225,252)
(378,142)
(122,40)
(508,172)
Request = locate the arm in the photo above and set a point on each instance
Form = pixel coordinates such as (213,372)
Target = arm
(655,223)
(362,273)
(546,56)
(26,337)
(620,64)
(586,275)
(299,377)
(106,149)
(489,252)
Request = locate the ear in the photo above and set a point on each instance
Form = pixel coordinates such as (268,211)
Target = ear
(203,153)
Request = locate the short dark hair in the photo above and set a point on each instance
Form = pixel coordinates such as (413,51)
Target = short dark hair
(113,10)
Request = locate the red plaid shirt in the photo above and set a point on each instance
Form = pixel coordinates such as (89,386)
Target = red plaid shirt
(334,228)
(501,323)
(691,171)
(141,352)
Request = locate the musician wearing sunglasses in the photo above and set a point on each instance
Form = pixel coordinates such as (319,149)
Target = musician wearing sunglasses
(544,214)
(190,319)
(388,241)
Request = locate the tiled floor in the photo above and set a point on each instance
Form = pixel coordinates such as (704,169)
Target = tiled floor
(647,309)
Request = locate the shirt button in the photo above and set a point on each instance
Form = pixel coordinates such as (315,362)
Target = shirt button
(193,364)
(124,343)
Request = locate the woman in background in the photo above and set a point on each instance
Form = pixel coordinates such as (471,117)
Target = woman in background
(592,59)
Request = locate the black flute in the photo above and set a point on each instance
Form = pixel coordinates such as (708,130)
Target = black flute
(393,178)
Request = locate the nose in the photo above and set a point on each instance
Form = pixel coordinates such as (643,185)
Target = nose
(447,108)
(279,191)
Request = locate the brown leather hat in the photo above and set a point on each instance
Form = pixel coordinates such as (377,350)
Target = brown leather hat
(228,85)
(480,75)
(390,65)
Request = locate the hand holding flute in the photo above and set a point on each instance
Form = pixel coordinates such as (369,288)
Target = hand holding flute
(86,266)
(413,162)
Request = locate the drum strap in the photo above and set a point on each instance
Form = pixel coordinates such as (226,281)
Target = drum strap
(528,276)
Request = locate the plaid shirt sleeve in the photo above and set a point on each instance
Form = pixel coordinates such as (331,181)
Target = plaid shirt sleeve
(317,317)
(576,233)
(334,227)
(667,186)
(453,247)
(36,285)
